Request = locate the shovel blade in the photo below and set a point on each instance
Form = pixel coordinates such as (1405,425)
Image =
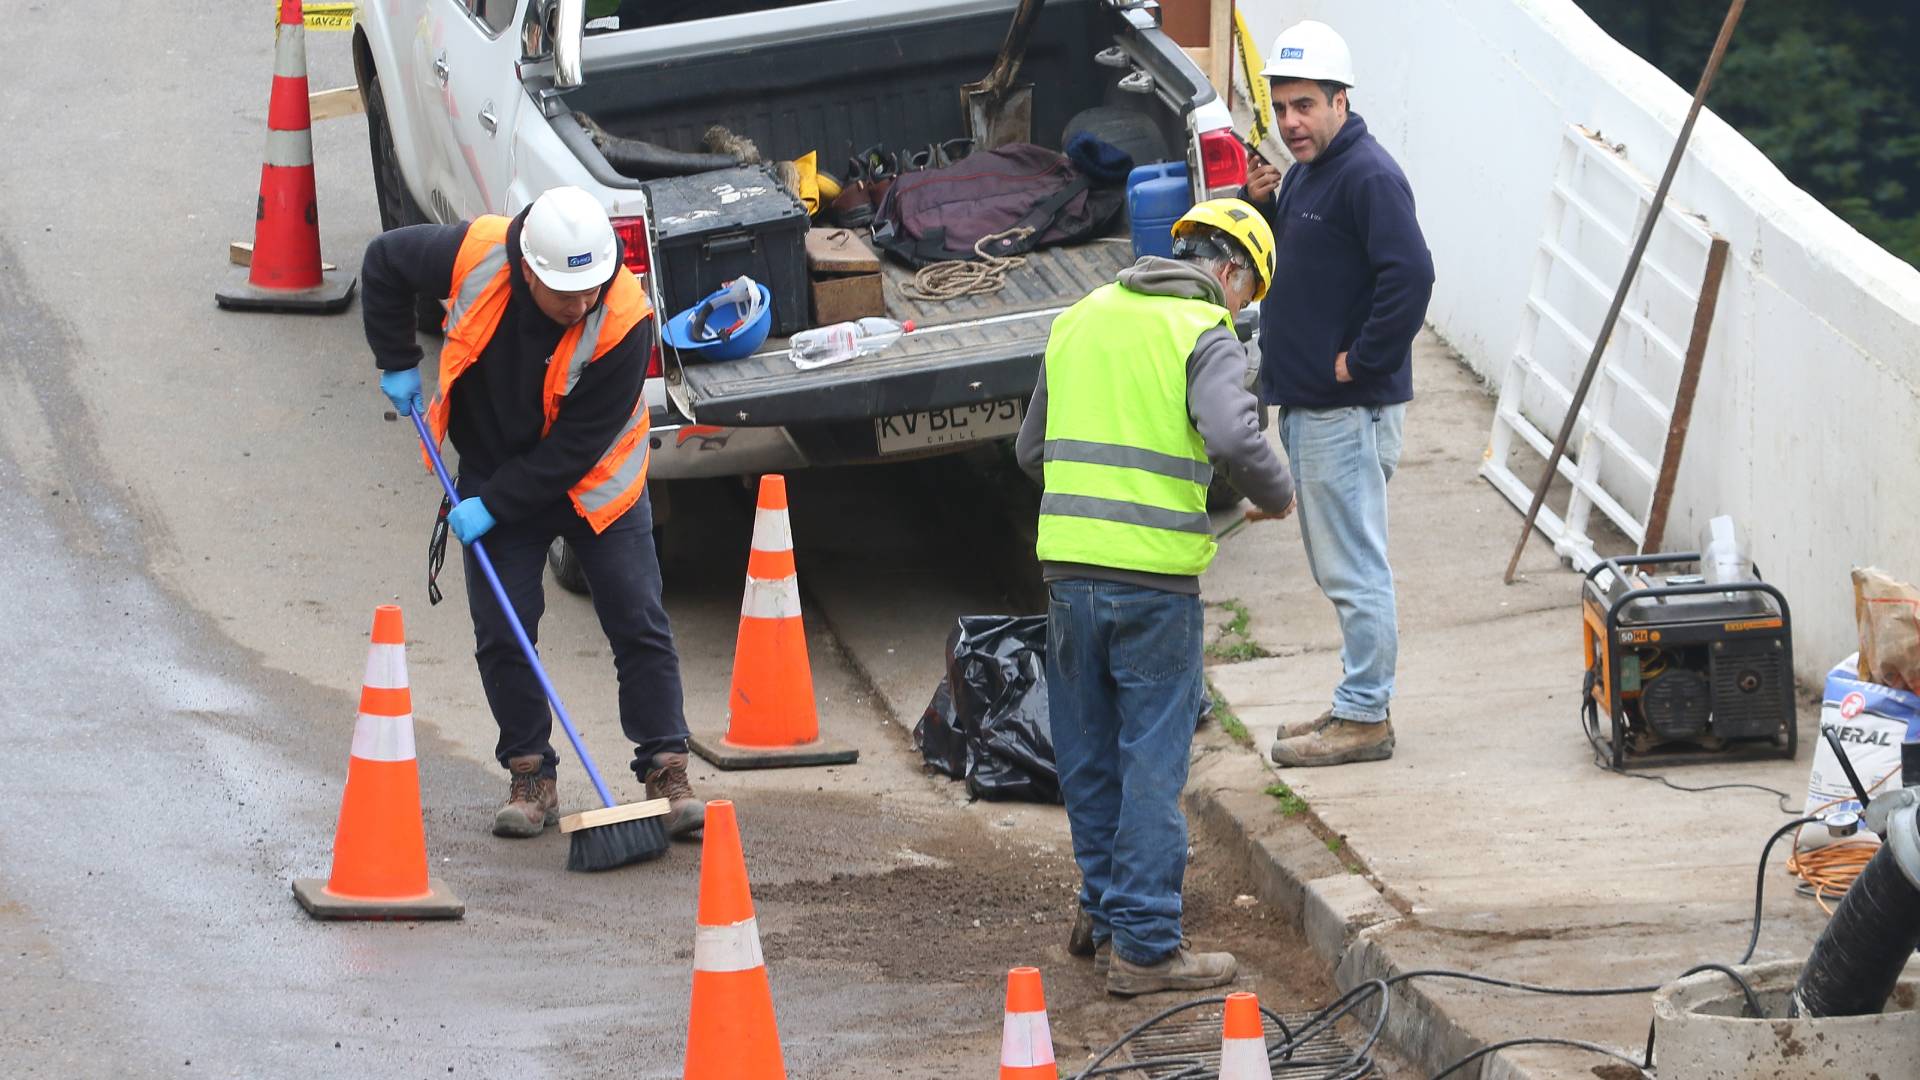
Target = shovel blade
(995,119)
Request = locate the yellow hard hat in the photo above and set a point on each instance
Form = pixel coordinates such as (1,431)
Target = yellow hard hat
(1238,219)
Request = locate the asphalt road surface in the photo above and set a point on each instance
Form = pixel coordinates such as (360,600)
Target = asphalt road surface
(198,512)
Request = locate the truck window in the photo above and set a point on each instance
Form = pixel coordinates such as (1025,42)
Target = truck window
(608,16)
(497,14)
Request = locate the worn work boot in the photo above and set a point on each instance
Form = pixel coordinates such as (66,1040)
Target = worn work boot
(1335,743)
(1184,970)
(533,801)
(1293,729)
(668,780)
(1080,938)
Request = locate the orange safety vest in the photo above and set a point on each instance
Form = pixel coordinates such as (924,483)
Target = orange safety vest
(479,301)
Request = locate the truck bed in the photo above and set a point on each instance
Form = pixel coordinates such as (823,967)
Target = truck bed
(974,349)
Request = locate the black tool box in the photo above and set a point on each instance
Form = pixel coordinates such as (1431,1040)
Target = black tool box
(1684,670)
(712,227)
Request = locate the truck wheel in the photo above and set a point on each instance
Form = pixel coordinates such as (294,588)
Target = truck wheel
(397,207)
(566,568)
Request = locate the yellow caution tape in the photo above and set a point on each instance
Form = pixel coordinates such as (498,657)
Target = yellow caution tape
(324,16)
(1262,99)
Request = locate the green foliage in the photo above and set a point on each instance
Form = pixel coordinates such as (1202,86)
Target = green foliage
(1290,803)
(1826,90)
(1229,722)
(1234,644)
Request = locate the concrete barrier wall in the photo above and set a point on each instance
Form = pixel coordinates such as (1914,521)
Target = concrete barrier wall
(1807,427)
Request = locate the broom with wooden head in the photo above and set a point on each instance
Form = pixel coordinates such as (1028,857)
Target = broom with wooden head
(602,839)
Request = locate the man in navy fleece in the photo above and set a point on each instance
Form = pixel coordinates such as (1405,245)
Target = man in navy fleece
(1336,342)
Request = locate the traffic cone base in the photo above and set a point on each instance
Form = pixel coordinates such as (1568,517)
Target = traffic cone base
(333,294)
(722,754)
(437,903)
(771,722)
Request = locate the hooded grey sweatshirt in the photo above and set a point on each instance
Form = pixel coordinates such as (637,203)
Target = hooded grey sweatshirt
(1221,408)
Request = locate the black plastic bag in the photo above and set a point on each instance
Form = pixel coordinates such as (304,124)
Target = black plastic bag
(987,723)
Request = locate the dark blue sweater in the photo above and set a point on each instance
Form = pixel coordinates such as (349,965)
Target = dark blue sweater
(1354,275)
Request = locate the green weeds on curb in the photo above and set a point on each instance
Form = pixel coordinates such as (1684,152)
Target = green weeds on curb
(1229,723)
(1233,645)
(1290,803)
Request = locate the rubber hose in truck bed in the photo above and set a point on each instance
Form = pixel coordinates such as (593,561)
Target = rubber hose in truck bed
(643,160)
(1858,958)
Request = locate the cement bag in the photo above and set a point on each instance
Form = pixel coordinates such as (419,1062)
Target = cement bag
(1872,721)
(1888,613)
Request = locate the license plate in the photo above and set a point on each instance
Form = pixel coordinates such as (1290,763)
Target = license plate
(942,427)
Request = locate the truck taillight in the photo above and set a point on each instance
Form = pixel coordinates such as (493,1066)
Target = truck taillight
(632,232)
(1223,161)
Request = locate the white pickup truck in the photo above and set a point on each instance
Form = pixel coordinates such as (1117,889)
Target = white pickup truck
(472,104)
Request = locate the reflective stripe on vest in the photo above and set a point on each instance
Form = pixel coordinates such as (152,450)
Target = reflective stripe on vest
(1126,473)
(481,288)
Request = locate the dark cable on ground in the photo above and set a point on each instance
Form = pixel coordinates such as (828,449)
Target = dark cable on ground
(1575,1043)
(1359,1062)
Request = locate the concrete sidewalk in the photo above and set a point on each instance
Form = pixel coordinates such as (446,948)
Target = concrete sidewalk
(1490,841)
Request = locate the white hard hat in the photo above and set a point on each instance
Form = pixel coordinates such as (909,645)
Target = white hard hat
(568,241)
(1310,50)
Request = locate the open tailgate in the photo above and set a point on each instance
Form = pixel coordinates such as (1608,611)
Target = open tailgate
(965,351)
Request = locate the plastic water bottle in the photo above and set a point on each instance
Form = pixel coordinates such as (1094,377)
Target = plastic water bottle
(1723,552)
(825,345)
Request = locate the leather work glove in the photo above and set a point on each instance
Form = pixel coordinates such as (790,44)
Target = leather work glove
(469,520)
(403,389)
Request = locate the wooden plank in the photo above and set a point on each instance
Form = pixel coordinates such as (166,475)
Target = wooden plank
(340,101)
(240,253)
(610,815)
(1683,398)
(1219,65)
(839,251)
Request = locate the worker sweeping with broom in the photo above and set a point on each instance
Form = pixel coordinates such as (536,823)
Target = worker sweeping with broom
(547,339)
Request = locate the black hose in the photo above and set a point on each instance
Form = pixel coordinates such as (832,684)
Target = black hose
(1858,958)
(643,160)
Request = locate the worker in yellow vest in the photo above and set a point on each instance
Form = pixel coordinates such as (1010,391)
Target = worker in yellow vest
(548,336)
(1142,401)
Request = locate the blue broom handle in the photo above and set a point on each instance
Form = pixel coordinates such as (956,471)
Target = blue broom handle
(513,618)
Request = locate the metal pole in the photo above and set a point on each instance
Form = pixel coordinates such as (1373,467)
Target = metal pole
(1683,398)
(1626,282)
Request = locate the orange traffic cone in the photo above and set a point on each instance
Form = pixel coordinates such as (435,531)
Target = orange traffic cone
(730,1029)
(380,847)
(285,274)
(1243,1040)
(1026,1042)
(770,716)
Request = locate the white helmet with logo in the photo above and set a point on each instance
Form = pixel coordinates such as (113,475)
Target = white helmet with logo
(568,242)
(1310,50)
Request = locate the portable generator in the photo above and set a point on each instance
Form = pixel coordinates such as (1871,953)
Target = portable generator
(1685,669)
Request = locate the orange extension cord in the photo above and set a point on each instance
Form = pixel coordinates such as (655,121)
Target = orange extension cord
(1829,870)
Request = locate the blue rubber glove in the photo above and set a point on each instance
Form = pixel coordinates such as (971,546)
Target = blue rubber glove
(403,389)
(469,520)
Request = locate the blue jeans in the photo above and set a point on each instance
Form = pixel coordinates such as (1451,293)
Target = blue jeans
(1123,687)
(623,571)
(1342,460)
